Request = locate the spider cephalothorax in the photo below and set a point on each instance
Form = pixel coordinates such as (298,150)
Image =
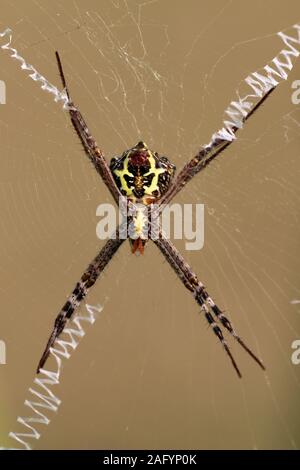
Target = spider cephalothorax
(142,175)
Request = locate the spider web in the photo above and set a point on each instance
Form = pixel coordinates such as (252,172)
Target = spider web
(150,374)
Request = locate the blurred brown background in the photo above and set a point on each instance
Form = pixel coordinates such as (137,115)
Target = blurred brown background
(149,373)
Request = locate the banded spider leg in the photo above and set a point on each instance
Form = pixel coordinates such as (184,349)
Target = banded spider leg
(87,280)
(208,306)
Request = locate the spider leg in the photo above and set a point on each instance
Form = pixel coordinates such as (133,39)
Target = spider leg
(87,280)
(206,155)
(208,306)
(89,144)
(201,292)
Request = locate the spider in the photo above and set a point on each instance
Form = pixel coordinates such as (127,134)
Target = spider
(143,176)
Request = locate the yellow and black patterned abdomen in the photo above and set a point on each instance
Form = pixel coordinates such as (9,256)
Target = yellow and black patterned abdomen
(142,175)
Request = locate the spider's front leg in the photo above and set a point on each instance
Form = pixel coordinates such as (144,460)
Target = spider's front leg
(90,146)
(207,154)
(208,306)
(81,289)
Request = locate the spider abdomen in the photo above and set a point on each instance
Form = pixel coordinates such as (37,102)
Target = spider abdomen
(138,229)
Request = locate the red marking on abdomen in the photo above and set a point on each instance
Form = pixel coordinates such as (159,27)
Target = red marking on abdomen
(138,245)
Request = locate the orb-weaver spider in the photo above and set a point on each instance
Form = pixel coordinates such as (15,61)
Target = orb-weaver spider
(143,176)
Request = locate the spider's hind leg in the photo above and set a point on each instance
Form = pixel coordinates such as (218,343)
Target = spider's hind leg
(206,303)
(87,280)
(201,293)
(217,331)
